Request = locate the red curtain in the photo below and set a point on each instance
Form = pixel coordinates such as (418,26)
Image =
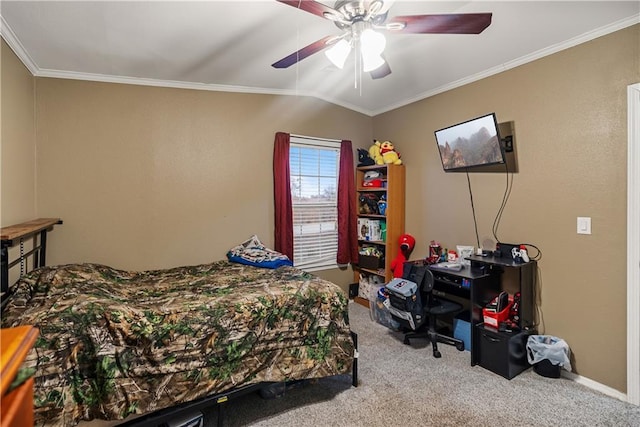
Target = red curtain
(282,196)
(347,215)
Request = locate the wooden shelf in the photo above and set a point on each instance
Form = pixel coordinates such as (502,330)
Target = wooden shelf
(394,177)
(25,229)
(374,216)
(379,272)
(367,189)
(373,242)
(362,301)
(15,234)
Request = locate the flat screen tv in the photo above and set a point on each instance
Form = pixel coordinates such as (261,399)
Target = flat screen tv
(470,144)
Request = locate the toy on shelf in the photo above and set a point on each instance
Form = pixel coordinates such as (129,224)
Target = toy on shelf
(382,205)
(372,179)
(368,204)
(407,243)
(374,153)
(389,154)
(364,159)
(434,252)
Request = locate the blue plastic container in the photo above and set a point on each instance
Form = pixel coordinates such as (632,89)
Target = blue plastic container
(462,329)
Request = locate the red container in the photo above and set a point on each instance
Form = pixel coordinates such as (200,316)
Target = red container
(493,319)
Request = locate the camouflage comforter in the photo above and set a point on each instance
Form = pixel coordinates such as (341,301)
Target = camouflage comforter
(114,343)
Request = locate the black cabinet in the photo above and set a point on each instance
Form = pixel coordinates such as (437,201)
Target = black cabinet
(503,352)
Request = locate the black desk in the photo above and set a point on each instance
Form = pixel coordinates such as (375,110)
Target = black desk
(504,352)
(477,284)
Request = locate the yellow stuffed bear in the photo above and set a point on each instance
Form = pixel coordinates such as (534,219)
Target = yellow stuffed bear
(374,153)
(388,153)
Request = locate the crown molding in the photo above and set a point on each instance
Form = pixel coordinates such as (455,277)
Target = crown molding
(105,78)
(10,37)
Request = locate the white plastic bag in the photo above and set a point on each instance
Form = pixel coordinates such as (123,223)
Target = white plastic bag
(554,349)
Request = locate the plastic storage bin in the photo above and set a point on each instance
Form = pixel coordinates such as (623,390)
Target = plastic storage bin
(379,312)
(462,329)
(493,319)
(370,262)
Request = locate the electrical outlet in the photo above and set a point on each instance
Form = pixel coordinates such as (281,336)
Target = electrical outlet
(584,225)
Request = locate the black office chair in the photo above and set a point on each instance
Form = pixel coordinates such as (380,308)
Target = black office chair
(423,323)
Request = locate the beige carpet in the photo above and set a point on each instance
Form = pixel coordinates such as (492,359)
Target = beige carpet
(405,385)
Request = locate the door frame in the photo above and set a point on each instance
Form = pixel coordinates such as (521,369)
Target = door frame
(633,244)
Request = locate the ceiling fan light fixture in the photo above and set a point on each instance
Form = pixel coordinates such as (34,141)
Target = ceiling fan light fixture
(372,45)
(338,53)
(371,62)
(372,42)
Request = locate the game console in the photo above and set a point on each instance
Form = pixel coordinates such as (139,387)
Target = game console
(510,251)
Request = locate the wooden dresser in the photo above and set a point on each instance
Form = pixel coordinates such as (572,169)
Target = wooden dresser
(16,406)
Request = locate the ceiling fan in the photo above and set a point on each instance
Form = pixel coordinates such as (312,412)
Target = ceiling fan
(363,23)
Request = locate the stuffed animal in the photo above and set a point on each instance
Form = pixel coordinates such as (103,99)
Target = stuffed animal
(368,204)
(407,243)
(374,153)
(372,179)
(389,154)
(364,159)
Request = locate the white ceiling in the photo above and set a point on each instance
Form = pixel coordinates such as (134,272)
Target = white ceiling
(230,45)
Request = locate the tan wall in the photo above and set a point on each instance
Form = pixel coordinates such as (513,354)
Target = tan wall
(18,142)
(17,147)
(148,177)
(569,115)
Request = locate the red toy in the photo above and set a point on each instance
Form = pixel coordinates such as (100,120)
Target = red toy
(407,243)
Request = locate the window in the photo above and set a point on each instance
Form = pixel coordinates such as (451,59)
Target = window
(314,166)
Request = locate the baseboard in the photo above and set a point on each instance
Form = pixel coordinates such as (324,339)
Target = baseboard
(595,385)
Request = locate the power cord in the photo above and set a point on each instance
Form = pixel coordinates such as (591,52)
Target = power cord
(505,199)
(473,209)
(496,222)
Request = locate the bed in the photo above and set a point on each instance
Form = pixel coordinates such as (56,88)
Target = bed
(115,343)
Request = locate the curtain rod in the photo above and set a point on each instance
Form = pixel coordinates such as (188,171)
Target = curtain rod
(315,138)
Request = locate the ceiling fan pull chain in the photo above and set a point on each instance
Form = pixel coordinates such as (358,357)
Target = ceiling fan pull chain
(355,66)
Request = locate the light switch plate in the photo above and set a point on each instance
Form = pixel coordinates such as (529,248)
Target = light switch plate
(584,225)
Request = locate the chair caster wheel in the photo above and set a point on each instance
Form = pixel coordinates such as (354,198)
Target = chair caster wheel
(437,354)
(460,346)
(406,341)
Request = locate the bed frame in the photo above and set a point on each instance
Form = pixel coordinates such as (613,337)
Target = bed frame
(19,234)
(158,418)
(37,231)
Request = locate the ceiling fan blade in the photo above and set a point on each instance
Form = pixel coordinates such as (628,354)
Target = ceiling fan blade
(306,51)
(455,23)
(382,71)
(310,6)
